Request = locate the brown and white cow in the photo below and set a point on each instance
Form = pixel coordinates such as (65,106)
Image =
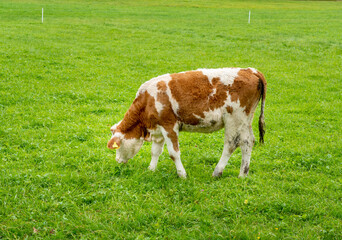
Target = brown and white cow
(204,100)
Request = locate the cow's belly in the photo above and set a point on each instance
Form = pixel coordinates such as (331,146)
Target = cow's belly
(204,127)
(211,122)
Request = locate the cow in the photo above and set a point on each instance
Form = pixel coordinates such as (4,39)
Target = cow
(203,100)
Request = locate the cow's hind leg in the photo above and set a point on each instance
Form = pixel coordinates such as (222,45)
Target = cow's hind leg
(231,142)
(157,149)
(246,145)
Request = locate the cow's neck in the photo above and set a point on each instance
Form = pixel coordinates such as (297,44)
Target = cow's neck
(141,116)
(131,125)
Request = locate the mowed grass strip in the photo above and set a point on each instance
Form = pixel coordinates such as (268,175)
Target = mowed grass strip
(64,82)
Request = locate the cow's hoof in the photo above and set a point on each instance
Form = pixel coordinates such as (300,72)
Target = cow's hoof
(217,174)
(182,175)
(152,168)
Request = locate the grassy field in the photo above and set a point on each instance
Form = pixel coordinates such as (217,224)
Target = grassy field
(63,83)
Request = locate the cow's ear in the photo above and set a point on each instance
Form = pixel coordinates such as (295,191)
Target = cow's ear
(114,143)
(146,135)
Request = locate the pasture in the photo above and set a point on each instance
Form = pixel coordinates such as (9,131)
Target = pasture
(65,82)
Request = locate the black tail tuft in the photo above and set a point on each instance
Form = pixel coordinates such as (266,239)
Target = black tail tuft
(262,125)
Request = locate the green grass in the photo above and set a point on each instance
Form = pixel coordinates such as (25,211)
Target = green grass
(63,83)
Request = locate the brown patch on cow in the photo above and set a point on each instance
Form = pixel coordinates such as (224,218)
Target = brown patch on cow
(215,80)
(246,89)
(229,109)
(136,131)
(167,116)
(217,100)
(173,158)
(111,142)
(195,95)
(191,91)
(174,138)
(161,85)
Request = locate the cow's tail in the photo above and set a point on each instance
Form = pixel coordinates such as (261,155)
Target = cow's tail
(262,87)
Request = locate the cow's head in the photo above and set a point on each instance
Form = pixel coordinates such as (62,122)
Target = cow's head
(126,146)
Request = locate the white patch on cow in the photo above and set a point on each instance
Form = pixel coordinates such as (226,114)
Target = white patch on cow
(212,93)
(168,141)
(159,106)
(128,149)
(157,149)
(214,119)
(226,75)
(239,113)
(152,89)
(151,85)
(156,134)
(174,103)
(253,70)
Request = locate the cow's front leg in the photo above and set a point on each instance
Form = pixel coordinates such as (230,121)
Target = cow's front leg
(171,138)
(175,156)
(157,149)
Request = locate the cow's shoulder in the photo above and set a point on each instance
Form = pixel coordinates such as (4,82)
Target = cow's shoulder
(154,85)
